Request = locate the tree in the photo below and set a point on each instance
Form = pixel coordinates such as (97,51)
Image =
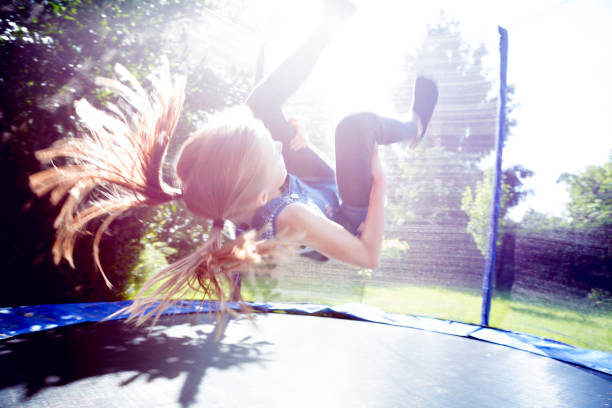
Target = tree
(538,221)
(428,183)
(50,54)
(477,204)
(573,253)
(462,131)
(590,195)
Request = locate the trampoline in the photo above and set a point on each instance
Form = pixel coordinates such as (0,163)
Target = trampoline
(353,355)
(283,360)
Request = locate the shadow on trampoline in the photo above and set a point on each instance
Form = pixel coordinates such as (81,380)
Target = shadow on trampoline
(173,348)
(307,360)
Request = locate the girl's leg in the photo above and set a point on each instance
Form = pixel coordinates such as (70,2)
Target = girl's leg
(356,136)
(267,98)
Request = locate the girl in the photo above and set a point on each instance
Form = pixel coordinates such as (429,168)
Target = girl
(250,166)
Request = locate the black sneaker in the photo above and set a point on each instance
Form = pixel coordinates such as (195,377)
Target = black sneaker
(423,103)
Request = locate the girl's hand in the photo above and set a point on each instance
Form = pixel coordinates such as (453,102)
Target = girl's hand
(300,140)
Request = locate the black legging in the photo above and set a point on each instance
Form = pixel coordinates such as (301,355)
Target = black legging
(356,134)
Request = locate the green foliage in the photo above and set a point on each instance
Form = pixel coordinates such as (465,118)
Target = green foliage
(119,252)
(50,54)
(601,298)
(171,232)
(575,253)
(429,188)
(151,259)
(432,179)
(393,248)
(177,228)
(537,221)
(590,195)
(262,287)
(477,204)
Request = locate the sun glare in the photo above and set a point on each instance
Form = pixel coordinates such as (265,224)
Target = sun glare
(361,65)
(364,64)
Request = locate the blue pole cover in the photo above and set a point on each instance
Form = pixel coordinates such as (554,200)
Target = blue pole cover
(487,280)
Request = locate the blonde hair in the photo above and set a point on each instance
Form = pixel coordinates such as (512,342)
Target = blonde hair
(220,169)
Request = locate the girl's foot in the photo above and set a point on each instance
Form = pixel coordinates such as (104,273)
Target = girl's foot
(423,104)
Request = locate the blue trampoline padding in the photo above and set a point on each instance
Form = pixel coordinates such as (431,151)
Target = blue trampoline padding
(27,319)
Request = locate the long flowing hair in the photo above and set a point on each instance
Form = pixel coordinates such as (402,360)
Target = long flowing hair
(120,157)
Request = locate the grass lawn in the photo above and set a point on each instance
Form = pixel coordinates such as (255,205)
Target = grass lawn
(578,323)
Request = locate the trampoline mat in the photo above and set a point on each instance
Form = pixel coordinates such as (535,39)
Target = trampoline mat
(284,361)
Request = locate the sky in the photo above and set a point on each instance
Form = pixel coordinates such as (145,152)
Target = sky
(559,60)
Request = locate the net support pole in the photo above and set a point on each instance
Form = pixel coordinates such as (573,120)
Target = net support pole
(489,272)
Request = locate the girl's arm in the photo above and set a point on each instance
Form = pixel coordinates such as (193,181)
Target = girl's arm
(298,224)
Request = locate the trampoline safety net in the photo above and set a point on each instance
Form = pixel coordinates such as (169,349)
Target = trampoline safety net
(552,273)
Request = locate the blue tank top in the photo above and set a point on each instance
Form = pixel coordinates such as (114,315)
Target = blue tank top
(320,195)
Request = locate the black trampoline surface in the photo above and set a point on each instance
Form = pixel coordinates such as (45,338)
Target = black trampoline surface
(285,361)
